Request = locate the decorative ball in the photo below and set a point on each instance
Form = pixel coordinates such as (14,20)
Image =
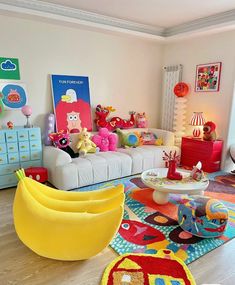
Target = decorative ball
(27,110)
(181,89)
(203,217)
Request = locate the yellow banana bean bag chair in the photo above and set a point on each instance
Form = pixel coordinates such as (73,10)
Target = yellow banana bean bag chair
(66,225)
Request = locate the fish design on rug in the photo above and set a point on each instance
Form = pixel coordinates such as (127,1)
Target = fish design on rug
(139,233)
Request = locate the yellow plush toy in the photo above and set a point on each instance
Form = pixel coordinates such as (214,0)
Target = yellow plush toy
(84,144)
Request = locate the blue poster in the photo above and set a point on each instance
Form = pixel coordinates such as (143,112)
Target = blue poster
(71,98)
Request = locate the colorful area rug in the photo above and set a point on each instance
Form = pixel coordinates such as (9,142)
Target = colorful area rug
(148,227)
(147,269)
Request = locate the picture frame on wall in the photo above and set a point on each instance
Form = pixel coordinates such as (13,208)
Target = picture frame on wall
(71,100)
(208,77)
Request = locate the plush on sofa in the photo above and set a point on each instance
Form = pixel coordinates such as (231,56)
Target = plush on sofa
(68,173)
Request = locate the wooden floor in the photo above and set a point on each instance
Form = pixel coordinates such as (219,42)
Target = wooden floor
(19,265)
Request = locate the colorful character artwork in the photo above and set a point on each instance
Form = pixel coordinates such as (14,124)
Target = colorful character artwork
(71,99)
(208,77)
(148,269)
(14,95)
(9,68)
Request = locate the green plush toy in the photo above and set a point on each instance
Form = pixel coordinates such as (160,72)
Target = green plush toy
(131,139)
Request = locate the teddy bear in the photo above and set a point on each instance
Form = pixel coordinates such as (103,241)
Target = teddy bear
(84,144)
(105,140)
(209,133)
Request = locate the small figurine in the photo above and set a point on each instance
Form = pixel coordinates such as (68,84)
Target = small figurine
(197,173)
(10,125)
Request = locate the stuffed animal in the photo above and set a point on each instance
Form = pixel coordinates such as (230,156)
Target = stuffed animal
(130,139)
(150,138)
(61,140)
(105,140)
(84,144)
(141,120)
(209,133)
(114,123)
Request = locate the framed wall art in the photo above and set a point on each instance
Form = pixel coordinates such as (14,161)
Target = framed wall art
(208,77)
(71,98)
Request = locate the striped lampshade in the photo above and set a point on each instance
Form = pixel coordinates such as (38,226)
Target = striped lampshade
(197,119)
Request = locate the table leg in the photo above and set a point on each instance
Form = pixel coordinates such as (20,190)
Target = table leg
(160,197)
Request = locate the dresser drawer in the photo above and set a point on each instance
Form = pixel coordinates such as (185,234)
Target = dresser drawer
(23,135)
(3,148)
(24,156)
(33,163)
(35,134)
(12,147)
(24,146)
(3,158)
(11,136)
(13,157)
(2,137)
(36,155)
(8,180)
(8,168)
(35,145)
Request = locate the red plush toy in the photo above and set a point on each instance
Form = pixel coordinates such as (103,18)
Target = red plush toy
(114,123)
(209,133)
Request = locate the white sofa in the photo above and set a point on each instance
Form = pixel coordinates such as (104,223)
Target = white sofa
(66,173)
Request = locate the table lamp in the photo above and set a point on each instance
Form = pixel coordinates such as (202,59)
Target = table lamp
(27,111)
(197,120)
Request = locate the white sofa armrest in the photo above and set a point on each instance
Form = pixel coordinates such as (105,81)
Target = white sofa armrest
(167,136)
(53,157)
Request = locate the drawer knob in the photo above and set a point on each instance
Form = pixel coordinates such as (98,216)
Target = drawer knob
(11,147)
(10,137)
(12,158)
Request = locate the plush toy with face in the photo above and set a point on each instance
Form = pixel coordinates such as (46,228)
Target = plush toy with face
(209,133)
(61,140)
(85,144)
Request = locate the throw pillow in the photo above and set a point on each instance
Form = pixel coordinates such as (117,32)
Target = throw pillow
(149,138)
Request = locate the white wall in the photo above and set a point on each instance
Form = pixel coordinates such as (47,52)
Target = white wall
(123,71)
(211,48)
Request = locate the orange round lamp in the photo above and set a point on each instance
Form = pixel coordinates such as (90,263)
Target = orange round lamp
(181,89)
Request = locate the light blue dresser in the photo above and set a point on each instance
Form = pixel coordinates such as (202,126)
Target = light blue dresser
(19,148)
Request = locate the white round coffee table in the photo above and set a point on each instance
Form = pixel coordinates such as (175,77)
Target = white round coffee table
(156,179)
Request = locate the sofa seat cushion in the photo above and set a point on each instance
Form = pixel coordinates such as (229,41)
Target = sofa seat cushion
(103,166)
(147,156)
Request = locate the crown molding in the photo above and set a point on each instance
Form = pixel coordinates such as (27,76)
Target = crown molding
(222,19)
(219,22)
(81,17)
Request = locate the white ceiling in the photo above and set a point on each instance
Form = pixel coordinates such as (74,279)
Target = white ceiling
(158,13)
(163,20)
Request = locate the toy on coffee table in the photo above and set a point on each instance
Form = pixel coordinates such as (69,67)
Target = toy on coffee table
(209,133)
(61,140)
(112,124)
(85,144)
(172,159)
(105,140)
(197,173)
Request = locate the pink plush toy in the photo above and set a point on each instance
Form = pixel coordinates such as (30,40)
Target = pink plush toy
(105,140)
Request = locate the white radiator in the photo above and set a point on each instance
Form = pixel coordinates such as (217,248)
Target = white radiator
(172,75)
